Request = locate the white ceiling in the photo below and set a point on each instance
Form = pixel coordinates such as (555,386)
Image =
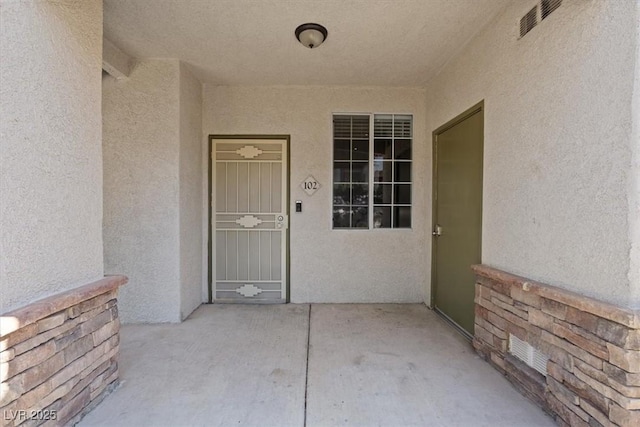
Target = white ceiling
(252,42)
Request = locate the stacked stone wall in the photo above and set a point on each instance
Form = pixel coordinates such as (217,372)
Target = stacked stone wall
(593,372)
(59,356)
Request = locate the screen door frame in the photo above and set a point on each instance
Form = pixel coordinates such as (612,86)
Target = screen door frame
(211,212)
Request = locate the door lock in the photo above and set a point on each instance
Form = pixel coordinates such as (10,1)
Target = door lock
(282,221)
(437,231)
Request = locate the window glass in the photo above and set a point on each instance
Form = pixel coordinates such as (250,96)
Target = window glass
(402,149)
(402,172)
(392,138)
(341,149)
(382,149)
(351,171)
(382,171)
(360,150)
(372,173)
(382,194)
(360,172)
(382,217)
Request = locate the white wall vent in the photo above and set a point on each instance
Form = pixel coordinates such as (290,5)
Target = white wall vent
(531,18)
(548,6)
(528,21)
(528,354)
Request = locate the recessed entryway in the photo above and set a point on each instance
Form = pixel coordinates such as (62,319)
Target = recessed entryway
(457,215)
(249,181)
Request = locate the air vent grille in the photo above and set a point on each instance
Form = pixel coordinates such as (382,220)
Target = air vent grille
(531,19)
(528,354)
(528,21)
(548,6)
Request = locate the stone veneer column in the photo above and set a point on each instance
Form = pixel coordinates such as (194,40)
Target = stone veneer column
(593,372)
(59,355)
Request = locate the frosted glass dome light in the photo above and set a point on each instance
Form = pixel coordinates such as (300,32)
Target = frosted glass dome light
(311,35)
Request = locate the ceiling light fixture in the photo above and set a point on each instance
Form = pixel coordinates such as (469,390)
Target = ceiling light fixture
(311,35)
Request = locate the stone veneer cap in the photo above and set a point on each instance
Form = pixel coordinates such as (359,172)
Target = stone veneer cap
(621,315)
(19,318)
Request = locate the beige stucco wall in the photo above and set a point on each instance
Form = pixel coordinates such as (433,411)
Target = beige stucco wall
(50,148)
(634,181)
(328,265)
(560,192)
(141,189)
(152,189)
(191,235)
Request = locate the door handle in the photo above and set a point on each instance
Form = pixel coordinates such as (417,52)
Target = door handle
(437,231)
(282,221)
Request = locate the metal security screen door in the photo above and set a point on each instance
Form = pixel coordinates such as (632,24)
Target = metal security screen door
(251,221)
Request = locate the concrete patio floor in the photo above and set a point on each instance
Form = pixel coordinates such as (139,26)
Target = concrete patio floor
(366,365)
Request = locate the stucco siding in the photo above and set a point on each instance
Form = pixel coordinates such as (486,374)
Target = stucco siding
(334,265)
(50,148)
(634,181)
(190,192)
(559,186)
(141,189)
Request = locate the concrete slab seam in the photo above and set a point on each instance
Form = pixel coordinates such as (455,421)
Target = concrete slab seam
(306,378)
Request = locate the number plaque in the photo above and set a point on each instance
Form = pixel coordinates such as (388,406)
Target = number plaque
(310,185)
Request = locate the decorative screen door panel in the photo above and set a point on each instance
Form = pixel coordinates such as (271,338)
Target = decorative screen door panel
(251,220)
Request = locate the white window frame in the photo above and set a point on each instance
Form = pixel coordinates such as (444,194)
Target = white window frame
(371,161)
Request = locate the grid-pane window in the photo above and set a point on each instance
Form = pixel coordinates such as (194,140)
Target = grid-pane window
(392,138)
(372,171)
(351,171)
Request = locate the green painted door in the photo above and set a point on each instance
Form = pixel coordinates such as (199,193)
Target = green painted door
(458,148)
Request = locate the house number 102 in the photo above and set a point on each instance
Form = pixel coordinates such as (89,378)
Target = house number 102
(310,185)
